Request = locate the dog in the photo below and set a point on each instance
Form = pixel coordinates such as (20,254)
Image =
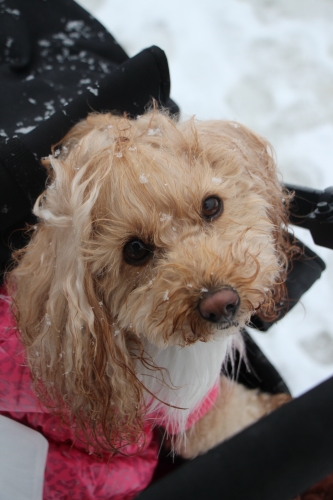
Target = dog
(156,243)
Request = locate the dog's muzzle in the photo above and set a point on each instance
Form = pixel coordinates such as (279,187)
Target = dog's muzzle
(220,306)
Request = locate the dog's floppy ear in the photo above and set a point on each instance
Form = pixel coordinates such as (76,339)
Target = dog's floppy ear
(80,364)
(256,157)
(260,159)
(260,156)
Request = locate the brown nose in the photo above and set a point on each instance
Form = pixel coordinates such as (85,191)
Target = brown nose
(219,306)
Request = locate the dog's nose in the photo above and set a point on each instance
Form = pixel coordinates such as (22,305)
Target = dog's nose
(219,306)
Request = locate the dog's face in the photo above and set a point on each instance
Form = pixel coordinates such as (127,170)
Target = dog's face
(183,240)
(151,230)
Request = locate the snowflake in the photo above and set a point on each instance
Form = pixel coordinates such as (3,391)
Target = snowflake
(44,43)
(93,91)
(84,81)
(154,131)
(217,180)
(143,179)
(25,130)
(74,25)
(48,320)
(165,217)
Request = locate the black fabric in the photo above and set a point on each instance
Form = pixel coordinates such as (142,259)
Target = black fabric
(277,458)
(71,63)
(129,88)
(52,51)
(22,176)
(24,169)
(57,65)
(255,371)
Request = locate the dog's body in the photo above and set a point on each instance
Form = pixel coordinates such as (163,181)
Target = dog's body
(156,243)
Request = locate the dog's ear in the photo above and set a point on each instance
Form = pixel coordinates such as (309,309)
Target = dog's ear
(256,156)
(260,157)
(79,362)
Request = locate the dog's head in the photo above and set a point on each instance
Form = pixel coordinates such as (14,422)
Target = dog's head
(174,233)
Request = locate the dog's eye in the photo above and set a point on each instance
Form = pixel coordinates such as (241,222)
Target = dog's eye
(211,208)
(136,252)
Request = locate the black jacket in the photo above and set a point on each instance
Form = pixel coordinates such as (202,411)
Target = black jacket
(58,64)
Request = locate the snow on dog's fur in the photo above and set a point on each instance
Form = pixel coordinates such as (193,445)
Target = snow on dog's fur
(156,243)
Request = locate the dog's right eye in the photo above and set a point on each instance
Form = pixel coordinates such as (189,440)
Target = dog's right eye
(211,208)
(136,252)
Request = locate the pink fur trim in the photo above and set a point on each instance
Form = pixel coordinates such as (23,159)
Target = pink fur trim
(203,407)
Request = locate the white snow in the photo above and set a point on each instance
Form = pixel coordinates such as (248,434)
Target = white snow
(48,320)
(143,179)
(14,12)
(84,81)
(44,43)
(154,131)
(74,26)
(268,65)
(92,90)
(165,217)
(217,180)
(50,109)
(25,130)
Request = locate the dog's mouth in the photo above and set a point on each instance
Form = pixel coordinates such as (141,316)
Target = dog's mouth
(204,332)
(199,330)
(226,324)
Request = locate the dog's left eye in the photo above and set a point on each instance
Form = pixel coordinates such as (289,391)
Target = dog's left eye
(211,208)
(136,252)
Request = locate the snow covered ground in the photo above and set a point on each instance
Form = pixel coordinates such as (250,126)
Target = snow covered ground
(269,65)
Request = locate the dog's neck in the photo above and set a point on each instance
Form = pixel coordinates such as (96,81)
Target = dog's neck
(186,376)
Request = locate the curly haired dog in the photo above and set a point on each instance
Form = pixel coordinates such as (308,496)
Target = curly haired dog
(156,243)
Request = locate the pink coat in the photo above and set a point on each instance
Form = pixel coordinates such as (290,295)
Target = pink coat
(72,473)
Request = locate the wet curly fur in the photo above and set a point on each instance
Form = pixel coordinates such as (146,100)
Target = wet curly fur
(110,342)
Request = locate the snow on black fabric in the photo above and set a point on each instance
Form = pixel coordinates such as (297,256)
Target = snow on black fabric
(57,64)
(49,56)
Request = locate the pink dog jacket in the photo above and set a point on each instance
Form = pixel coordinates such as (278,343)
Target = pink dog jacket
(72,473)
